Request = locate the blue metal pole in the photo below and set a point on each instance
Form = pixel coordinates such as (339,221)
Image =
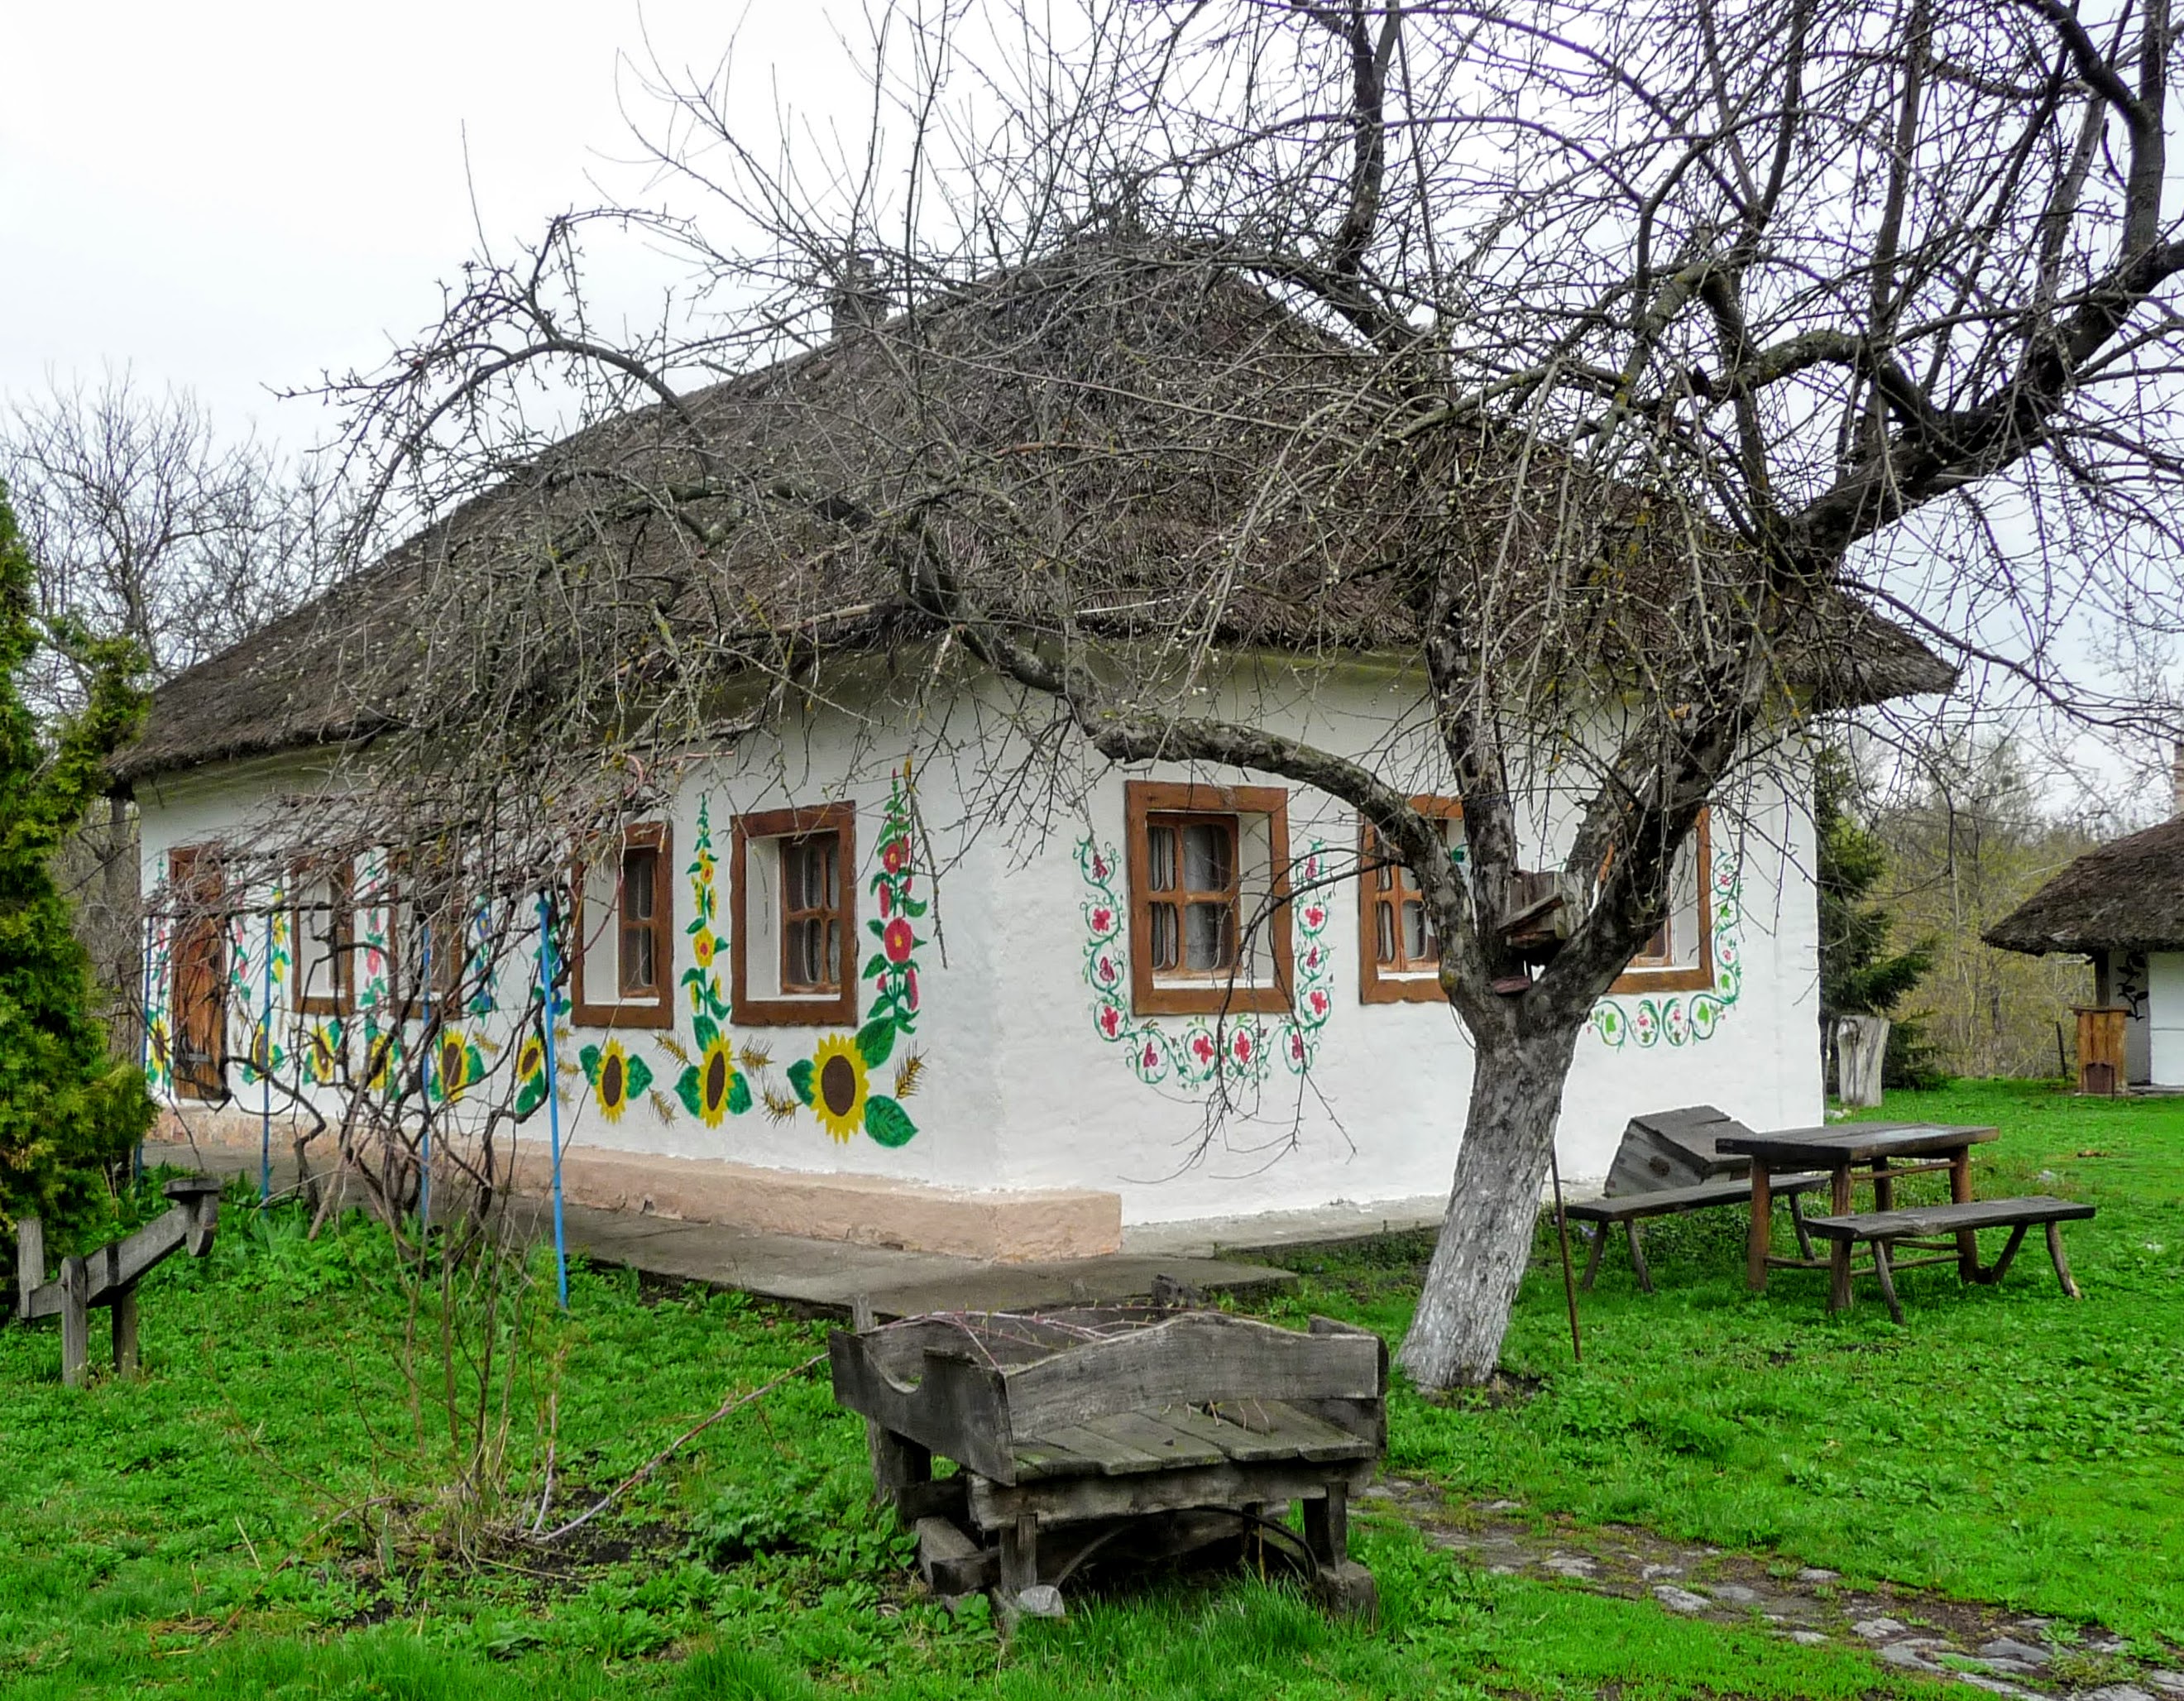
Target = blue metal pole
(265,1063)
(553,1097)
(425,1077)
(144,1010)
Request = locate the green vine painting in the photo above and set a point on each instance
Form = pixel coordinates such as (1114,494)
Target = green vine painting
(1686,1019)
(716,1079)
(1191,1056)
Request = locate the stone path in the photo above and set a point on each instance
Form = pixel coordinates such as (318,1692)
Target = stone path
(2003,1653)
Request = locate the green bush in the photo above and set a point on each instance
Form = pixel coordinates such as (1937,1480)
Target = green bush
(68,1112)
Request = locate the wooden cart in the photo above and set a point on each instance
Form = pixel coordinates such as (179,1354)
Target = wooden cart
(1127,1433)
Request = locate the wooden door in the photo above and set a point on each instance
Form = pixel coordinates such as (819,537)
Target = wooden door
(199,958)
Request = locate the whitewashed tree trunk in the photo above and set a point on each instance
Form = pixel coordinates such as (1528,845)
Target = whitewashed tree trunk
(1486,1237)
(1861,1043)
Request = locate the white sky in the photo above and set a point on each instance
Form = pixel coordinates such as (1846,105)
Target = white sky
(235,195)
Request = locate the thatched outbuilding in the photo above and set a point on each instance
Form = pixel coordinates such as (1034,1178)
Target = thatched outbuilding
(2122,905)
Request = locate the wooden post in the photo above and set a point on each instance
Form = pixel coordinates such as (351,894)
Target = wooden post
(1884,1188)
(2062,1264)
(30,1262)
(1960,1192)
(76,1324)
(1763,1222)
(1861,1044)
(1019,1556)
(125,1330)
(896,1464)
(1839,1290)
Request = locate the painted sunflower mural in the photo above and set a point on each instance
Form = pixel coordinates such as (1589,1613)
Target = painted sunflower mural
(458,1065)
(716,1081)
(530,1073)
(615,1076)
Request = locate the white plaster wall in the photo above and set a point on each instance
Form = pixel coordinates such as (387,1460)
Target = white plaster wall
(1380,1114)
(2164,1017)
(1020,1089)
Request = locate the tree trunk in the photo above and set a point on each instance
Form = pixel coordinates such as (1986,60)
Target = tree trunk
(1486,1237)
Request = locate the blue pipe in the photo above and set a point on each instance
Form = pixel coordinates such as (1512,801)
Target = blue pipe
(553,1094)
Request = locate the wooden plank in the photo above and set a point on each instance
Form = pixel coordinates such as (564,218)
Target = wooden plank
(956,1408)
(1114,1456)
(1813,1148)
(1077,1499)
(1921,1221)
(1042,1456)
(1674,1201)
(1233,1440)
(949,1561)
(1197,1357)
(1173,1445)
(29,1264)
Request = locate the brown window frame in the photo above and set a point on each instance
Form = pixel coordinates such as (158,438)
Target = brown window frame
(1661,973)
(1222,993)
(341,884)
(197,874)
(789,1009)
(657,1011)
(1374,984)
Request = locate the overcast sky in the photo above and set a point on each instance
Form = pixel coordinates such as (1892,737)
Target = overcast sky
(235,195)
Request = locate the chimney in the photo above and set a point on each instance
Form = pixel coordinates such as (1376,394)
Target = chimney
(2176,780)
(856,299)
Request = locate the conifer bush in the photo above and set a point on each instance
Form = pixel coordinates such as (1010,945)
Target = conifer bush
(68,1112)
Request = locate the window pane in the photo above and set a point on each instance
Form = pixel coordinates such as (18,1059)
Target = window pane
(1160,859)
(1417,938)
(1384,878)
(637,968)
(1209,937)
(796,874)
(637,867)
(1208,861)
(823,970)
(1162,944)
(830,884)
(1384,933)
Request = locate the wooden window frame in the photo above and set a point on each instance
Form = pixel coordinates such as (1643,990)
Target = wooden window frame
(1670,976)
(658,1011)
(341,884)
(197,870)
(1226,995)
(1374,986)
(748,1006)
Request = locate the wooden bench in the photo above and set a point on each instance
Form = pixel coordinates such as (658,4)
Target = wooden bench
(1629,1209)
(108,1276)
(1924,1225)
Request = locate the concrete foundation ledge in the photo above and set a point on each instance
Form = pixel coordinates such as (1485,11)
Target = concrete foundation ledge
(1010,1225)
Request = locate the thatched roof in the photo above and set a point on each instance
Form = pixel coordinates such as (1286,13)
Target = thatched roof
(2124,896)
(1103,428)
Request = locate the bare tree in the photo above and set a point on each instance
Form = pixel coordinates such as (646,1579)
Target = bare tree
(1615,364)
(145,525)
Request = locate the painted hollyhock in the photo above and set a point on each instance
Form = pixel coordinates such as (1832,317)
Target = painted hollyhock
(255,990)
(1240,1049)
(712,1085)
(835,1082)
(1684,1020)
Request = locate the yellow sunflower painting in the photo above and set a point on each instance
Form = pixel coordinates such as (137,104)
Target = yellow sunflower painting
(834,1082)
(616,1077)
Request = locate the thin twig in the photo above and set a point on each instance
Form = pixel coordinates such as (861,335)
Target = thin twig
(668,1451)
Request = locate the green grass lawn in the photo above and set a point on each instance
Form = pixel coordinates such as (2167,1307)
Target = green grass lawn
(222,1528)
(2005,1445)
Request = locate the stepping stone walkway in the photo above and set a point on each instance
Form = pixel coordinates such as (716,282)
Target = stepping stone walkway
(1984,1647)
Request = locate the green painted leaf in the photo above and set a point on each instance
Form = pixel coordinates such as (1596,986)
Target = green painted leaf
(876,965)
(913,908)
(799,1077)
(888,1123)
(704,1031)
(589,1057)
(875,928)
(739,1095)
(875,1040)
(530,1095)
(640,1077)
(687,1090)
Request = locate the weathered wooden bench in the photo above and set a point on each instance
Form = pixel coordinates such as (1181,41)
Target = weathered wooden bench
(1936,1226)
(109,1275)
(1630,1209)
(1126,1433)
(1667,1165)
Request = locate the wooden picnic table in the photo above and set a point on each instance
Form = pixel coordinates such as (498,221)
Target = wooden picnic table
(1879,1152)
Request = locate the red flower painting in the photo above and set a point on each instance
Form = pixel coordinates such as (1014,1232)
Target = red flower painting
(898,941)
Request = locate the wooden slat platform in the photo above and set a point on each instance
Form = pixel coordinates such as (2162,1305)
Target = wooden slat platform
(1179,1437)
